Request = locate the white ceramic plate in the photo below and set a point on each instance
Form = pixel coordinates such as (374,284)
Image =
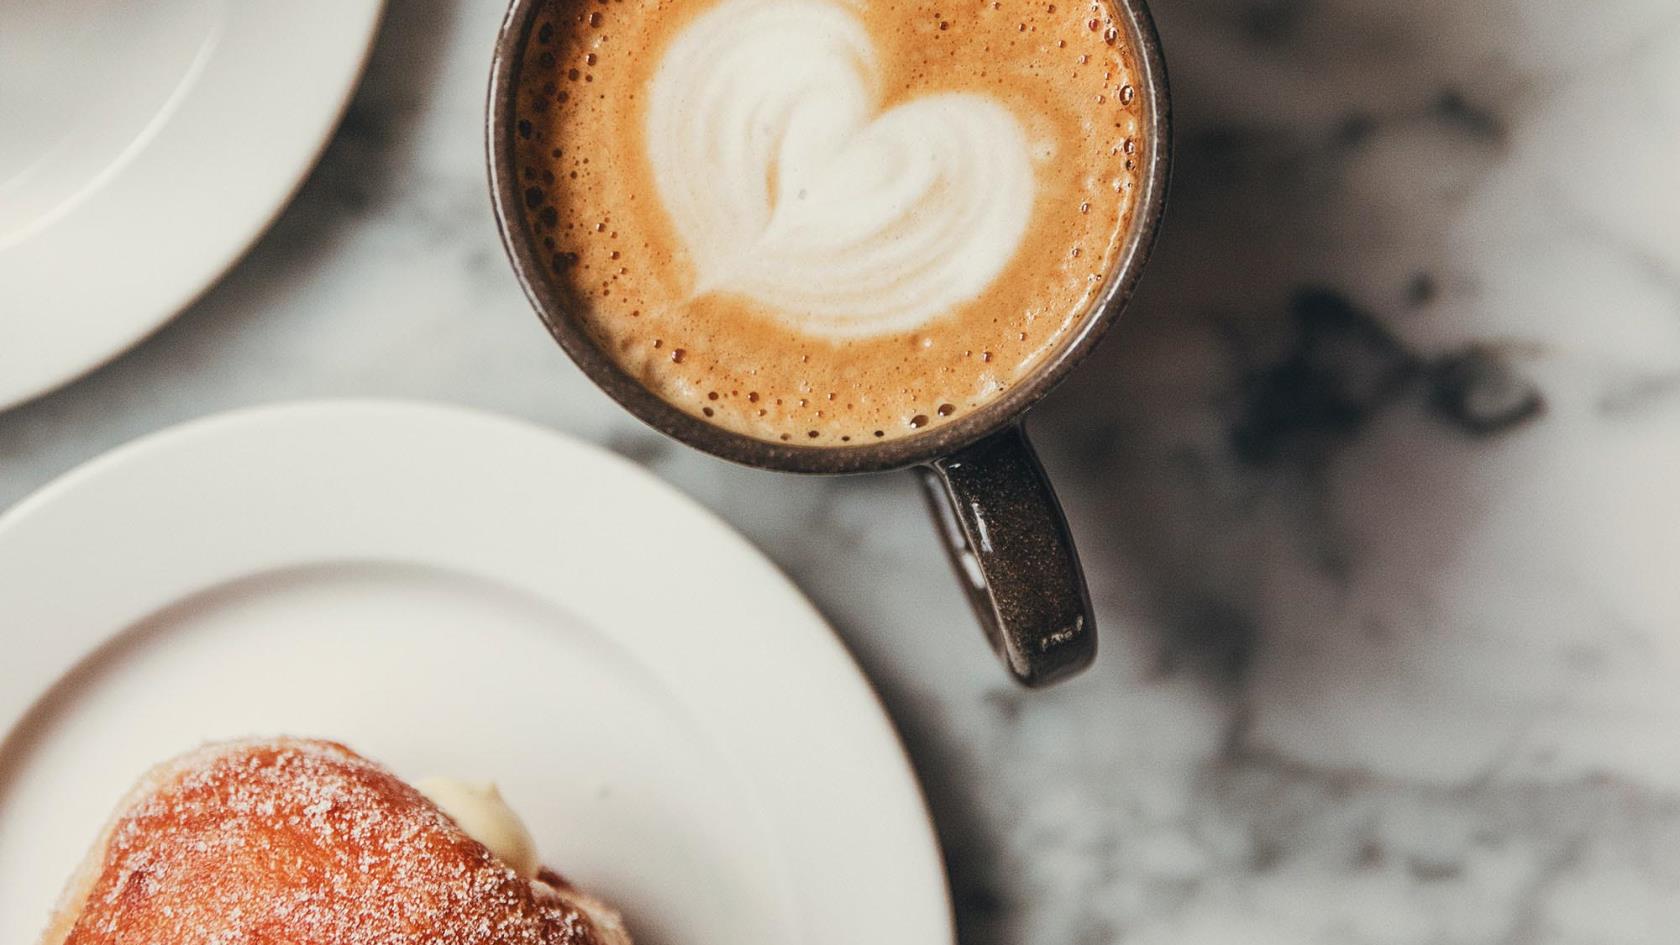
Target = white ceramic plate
(143,147)
(459,594)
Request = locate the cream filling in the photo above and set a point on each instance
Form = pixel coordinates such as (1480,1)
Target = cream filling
(481,813)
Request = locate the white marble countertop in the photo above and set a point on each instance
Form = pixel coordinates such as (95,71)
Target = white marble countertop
(1377,482)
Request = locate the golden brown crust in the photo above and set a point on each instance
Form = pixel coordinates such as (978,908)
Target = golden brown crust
(304,843)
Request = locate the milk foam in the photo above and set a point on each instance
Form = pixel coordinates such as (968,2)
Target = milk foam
(788,184)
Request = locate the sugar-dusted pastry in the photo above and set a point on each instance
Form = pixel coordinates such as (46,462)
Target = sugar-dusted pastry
(307,843)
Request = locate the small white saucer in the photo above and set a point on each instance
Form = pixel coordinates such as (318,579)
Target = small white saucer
(143,148)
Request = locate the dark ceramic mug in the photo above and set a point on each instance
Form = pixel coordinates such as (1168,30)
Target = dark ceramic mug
(1000,519)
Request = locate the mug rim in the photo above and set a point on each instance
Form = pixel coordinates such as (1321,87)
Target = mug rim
(898,452)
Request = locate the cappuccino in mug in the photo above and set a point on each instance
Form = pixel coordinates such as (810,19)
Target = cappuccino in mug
(829,222)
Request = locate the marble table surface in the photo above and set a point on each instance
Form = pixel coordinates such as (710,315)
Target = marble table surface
(1377,482)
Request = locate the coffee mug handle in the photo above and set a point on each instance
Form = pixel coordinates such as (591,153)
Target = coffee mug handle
(1010,545)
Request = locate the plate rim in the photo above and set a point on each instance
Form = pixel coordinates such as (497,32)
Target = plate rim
(193,279)
(837,663)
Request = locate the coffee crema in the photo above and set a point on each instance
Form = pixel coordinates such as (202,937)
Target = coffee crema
(823,221)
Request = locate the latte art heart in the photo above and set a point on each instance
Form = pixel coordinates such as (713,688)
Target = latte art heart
(788,184)
(825,222)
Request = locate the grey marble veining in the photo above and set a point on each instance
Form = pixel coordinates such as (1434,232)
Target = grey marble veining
(1376,482)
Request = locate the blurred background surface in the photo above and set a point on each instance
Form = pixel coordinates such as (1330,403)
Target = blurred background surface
(1377,482)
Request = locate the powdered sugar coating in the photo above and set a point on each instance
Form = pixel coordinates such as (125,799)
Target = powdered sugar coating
(307,843)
